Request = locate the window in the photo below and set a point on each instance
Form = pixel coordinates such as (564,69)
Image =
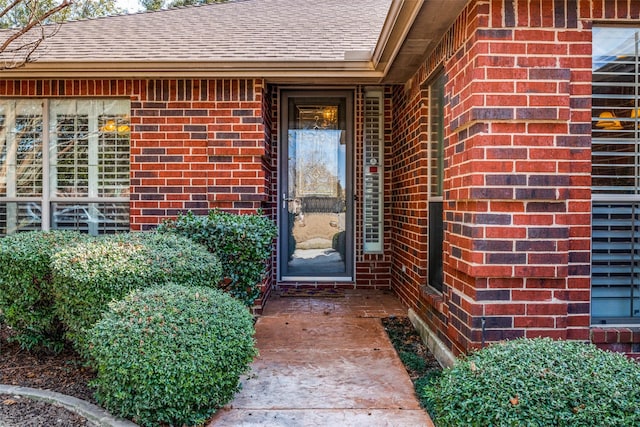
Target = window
(80,181)
(615,261)
(373,214)
(435,93)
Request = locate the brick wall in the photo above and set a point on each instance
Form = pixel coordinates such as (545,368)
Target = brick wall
(517,176)
(410,184)
(197,149)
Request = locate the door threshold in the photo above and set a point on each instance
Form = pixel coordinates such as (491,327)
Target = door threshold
(311,280)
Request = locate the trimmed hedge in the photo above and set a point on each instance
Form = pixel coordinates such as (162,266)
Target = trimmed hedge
(89,275)
(171,355)
(243,243)
(538,382)
(26,294)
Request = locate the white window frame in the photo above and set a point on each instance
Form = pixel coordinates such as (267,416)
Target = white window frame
(86,204)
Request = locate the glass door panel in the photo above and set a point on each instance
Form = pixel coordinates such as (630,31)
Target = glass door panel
(316,193)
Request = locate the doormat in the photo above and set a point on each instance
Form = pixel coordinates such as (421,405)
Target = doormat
(312,292)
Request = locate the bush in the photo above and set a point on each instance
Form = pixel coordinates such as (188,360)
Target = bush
(89,275)
(26,294)
(171,355)
(243,243)
(538,382)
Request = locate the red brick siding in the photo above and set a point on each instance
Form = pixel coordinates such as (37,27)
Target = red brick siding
(410,184)
(268,164)
(517,175)
(626,340)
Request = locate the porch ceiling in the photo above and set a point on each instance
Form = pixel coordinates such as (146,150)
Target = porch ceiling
(432,21)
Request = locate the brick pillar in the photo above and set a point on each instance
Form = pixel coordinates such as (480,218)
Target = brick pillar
(517,174)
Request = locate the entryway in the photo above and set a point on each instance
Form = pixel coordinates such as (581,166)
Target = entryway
(316,186)
(326,362)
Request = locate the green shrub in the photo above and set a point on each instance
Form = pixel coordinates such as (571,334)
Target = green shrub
(538,382)
(243,243)
(26,297)
(171,355)
(89,275)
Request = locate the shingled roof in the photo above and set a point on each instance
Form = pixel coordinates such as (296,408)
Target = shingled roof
(241,30)
(281,40)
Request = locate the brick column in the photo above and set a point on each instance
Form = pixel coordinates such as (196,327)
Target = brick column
(517,174)
(517,182)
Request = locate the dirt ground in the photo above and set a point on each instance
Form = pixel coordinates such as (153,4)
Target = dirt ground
(64,373)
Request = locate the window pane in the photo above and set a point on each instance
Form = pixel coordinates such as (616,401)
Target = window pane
(615,121)
(28,141)
(435,277)
(88,159)
(615,251)
(90,154)
(436,235)
(20,148)
(436,134)
(72,155)
(17,217)
(92,218)
(113,155)
(615,275)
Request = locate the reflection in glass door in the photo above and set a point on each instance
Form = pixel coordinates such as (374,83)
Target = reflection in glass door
(316,188)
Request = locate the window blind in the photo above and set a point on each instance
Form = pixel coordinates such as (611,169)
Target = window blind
(615,260)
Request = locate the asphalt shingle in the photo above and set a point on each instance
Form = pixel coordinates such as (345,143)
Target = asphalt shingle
(235,31)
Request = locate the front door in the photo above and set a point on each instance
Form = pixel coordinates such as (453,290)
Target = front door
(316,188)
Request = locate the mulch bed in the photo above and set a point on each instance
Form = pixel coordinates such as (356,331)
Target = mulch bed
(418,360)
(16,411)
(62,372)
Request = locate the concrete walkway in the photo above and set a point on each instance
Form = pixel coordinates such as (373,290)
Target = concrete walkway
(326,362)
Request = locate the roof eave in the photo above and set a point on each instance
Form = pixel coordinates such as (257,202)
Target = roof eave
(397,25)
(272,70)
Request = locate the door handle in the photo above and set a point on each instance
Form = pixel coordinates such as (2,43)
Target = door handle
(286,200)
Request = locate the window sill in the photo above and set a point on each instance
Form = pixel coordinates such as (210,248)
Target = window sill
(433,297)
(615,334)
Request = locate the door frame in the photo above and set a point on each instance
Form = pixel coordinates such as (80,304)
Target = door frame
(284,95)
